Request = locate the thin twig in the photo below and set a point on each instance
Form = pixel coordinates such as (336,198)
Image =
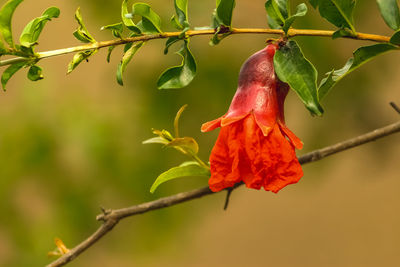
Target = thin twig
(228,197)
(97,45)
(111,217)
(395,107)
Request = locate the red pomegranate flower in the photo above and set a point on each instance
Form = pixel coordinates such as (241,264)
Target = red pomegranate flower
(254,144)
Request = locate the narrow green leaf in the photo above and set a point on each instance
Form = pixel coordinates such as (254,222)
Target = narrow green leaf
(9,72)
(395,39)
(3,49)
(170,41)
(314,3)
(109,51)
(35,73)
(390,13)
(181,9)
(284,8)
(176,121)
(6,13)
(81,33)
(164,134)
(301,11)
(224,12)
(182,75)
(116,29)
(78,58)
(361,56)
(151,22)
(179,172)
(186,143)
(337,12)
(175,22)
(32,30)
(186,163)
(23,51)
(275,18)
(126,58)
(293,68)
(156,140)
(128,22)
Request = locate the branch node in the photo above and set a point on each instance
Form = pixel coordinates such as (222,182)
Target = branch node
(104,214)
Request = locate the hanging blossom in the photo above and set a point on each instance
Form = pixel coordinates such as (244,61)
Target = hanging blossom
(254,144)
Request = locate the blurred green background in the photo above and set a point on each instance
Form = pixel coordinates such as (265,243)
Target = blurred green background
(70,144)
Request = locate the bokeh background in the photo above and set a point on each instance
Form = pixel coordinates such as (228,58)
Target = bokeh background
(70,144)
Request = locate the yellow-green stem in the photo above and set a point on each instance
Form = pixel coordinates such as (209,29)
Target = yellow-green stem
(202,164)
(97,45)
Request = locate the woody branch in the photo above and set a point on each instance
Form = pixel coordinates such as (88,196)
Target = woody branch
(110,218)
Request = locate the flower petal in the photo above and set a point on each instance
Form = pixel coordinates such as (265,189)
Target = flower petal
(211,125)
(292,137)
(243,153)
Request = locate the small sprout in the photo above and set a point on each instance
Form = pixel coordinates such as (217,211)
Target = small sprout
(186,145)
(176,121)
(60,250)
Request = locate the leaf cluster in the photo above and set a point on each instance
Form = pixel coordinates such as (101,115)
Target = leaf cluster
(292,66)
(186,145)
(28,39)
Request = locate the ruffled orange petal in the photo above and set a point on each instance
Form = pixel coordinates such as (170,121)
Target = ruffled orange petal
(243,153)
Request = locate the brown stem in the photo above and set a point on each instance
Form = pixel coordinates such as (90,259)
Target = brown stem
(111,217)
(97,45)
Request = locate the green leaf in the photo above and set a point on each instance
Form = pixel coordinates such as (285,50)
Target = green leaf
(186,163)
(395,39)
(170,41)
(361,56)
(175,23)
(390,13)
(126,58)
(182,75)
(176,122)
(301,11)
(164,134)
(78,58)
(23,51)
(6,13)
(35,73)
(128,22)
(293,68)
(186,143)
(284,7)
(314,3)
(156,140)
(32,30)
(181,9)
(3,49)
(275,17)
(279,15)
(109,51)
(116,29)
(337,12)
(179,172)
(82,34)
(150,23)
(9,72)
(224,12)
